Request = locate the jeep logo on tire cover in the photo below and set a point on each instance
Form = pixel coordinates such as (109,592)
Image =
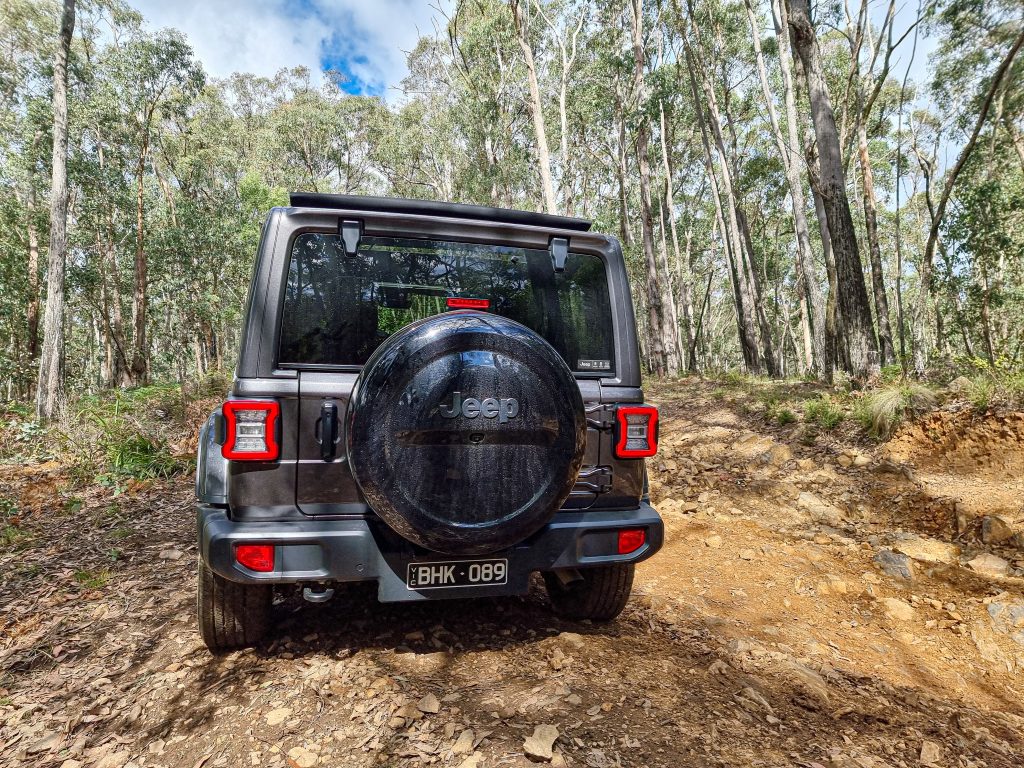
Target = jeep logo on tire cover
(504,409)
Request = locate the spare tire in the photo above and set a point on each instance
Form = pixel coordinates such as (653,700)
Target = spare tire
(465,432)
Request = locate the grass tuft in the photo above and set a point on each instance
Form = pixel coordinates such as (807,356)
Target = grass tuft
(824,412)
(882,411)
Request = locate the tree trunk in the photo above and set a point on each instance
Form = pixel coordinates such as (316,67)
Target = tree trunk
(140,299)
(754,281)
(887,349)
(536,109)
(733,253)
(51,363)
(32,311)
(682,270)
(621,168)
(663,348)
(852,294)
(810,293)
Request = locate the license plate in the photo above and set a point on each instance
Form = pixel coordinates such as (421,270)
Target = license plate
(457,573)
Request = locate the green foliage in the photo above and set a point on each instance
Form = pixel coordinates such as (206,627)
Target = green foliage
(11,534)
(784,417)
(131,430)
(93,579)
(882,411)
(824,412)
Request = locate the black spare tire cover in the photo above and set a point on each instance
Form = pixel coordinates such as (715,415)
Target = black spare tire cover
(466,432)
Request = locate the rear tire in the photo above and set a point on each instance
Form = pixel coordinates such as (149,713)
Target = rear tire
(600,596)
(231,615)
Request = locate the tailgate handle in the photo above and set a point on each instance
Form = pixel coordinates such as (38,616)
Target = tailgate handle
(327,429)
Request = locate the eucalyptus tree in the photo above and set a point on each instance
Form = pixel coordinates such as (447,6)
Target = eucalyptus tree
(830,180)
(50,385)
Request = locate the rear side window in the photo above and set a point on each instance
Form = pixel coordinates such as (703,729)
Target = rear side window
(339,308)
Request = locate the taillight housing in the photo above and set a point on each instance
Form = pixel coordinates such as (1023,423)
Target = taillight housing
(250,430)
(636,431)
(255,557)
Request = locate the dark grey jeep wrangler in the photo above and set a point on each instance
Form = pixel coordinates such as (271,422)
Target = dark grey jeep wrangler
(440,398)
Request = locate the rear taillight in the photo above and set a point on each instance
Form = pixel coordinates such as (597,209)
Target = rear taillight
(255,557)
(250,428)
(636,431)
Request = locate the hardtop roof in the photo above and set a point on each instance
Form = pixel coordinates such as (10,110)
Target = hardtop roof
(436,208)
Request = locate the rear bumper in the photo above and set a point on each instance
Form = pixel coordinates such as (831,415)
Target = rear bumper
(362,549)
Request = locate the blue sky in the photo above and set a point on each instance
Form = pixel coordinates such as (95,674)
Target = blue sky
(365,40)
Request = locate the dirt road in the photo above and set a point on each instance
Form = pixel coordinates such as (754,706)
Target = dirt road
(810,608)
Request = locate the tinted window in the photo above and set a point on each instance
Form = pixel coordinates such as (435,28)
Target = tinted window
(339,308)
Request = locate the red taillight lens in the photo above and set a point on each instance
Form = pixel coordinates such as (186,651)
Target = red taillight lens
(251,430)
(631,539)
(255,557)
(460,303)
(636,431)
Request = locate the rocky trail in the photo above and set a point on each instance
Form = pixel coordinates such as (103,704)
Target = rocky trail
(835,604)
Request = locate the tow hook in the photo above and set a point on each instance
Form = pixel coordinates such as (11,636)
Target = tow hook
(318,593)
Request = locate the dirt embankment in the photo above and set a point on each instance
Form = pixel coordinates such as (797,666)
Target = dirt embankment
(815,605)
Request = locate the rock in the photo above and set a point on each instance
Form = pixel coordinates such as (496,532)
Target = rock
(573,700)
(1008,617)
(896,609)
(409,712)
(429,705)
(995,530)
(746,554)
(806,465)
(538,746)
(809,682)
(714,541)
(860,460)
(931,753)
(845,460)
(464,744)
(990,565)
(833,585)
(171,554)
(819,510)
(473,761)
(927,550)
(893,564)
(777,455)
(961,385)
(414,637)
(302,757)
(278,716)
(572,638)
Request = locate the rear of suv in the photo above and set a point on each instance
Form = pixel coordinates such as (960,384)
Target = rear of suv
(442,399)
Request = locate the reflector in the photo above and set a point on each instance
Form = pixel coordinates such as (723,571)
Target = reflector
(256,557)
(631,539)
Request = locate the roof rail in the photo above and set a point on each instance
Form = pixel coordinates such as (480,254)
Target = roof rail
(433,208)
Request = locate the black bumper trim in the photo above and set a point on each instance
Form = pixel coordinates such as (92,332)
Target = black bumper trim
(365,550)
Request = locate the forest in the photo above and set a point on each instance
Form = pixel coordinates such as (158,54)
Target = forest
(800,191)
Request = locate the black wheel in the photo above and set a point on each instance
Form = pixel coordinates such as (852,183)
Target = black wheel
(231,615)
(600,595)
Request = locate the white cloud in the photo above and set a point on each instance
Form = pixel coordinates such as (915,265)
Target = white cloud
(263,36)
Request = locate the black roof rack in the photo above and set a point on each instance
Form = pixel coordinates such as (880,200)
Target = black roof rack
(432,208)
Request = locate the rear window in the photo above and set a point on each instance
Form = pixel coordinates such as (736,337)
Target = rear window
(338,308)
